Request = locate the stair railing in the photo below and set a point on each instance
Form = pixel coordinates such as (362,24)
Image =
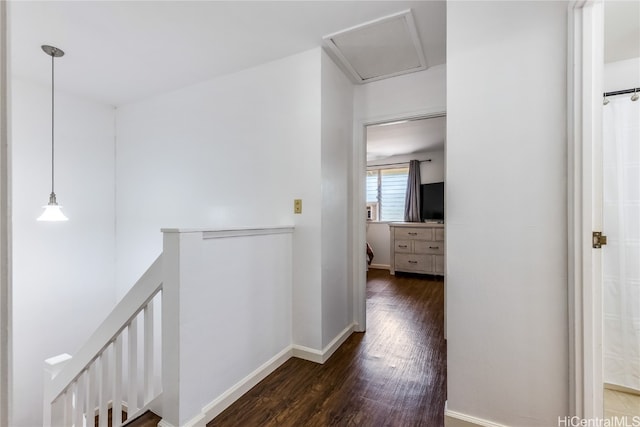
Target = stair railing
(118,369)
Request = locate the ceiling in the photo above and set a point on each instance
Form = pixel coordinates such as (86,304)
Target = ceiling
(117,52)
(410,137)
(122,51)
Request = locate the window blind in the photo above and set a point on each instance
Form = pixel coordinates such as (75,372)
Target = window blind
(387,188)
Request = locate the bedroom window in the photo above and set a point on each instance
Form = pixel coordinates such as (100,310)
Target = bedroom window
(386,189)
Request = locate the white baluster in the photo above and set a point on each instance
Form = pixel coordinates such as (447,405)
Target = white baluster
(148,353)
(73,406)
(132,395)
(117,382)
(103,389)
(67,400)
(88,408)
(80,390)
(157,342)
(91,393)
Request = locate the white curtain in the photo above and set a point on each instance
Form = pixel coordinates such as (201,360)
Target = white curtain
(621,256)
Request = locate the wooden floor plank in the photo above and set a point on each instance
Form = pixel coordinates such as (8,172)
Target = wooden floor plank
(392,375)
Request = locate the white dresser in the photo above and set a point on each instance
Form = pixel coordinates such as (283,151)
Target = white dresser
(417,247)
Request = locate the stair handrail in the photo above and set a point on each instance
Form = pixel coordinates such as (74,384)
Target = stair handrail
(145,289)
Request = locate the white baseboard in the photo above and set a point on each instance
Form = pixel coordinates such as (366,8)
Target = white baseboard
(622,388)
(337,342)
(223,401)
(306,353)
(457,419)
(317,356)
(380,266)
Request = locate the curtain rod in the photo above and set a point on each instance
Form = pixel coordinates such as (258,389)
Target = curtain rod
(622,92)
(394,164)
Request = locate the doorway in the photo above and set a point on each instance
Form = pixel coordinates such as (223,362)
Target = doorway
(585,191)
(358,207)
(390,146)
(621,213)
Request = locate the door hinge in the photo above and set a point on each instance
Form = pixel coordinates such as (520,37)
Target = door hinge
(599,239)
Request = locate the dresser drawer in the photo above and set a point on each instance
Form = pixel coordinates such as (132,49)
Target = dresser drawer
(413,262)
(428,247)
(402,233)
(438,234)
(404,246)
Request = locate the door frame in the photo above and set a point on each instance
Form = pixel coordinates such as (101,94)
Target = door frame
(584,202)
(358,204)
(5,223)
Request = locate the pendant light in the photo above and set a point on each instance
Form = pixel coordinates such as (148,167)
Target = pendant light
(52,211)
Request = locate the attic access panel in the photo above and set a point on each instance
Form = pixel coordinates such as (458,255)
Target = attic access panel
(379,49)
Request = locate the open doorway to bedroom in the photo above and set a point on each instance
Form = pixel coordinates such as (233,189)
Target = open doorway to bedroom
(390,147)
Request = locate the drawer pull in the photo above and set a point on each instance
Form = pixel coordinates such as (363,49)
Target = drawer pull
(413,262)
(402,246)
(412,234)
(434,247)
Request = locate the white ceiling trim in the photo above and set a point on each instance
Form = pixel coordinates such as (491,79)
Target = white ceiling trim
(360,76)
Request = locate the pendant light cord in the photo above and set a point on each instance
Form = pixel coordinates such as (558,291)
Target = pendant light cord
(52,122)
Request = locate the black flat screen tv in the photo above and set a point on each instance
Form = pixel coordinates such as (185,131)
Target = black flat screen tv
(432,200)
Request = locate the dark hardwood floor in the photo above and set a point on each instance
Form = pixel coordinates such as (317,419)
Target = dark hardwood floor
(392,375)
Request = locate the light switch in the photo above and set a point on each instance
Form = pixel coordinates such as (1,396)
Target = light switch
(297,206)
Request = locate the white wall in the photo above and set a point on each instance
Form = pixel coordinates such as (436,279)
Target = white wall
(337,127)
(622,75)
(236,151)
(63,273)
(507,347)
(410,94)
(378,233)
(432,171)
(379,239)
(233,319)
(219,153)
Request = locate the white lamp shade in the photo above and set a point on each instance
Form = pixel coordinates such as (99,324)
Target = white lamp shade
(52,213)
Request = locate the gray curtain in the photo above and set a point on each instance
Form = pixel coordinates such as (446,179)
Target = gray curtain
(412,199)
